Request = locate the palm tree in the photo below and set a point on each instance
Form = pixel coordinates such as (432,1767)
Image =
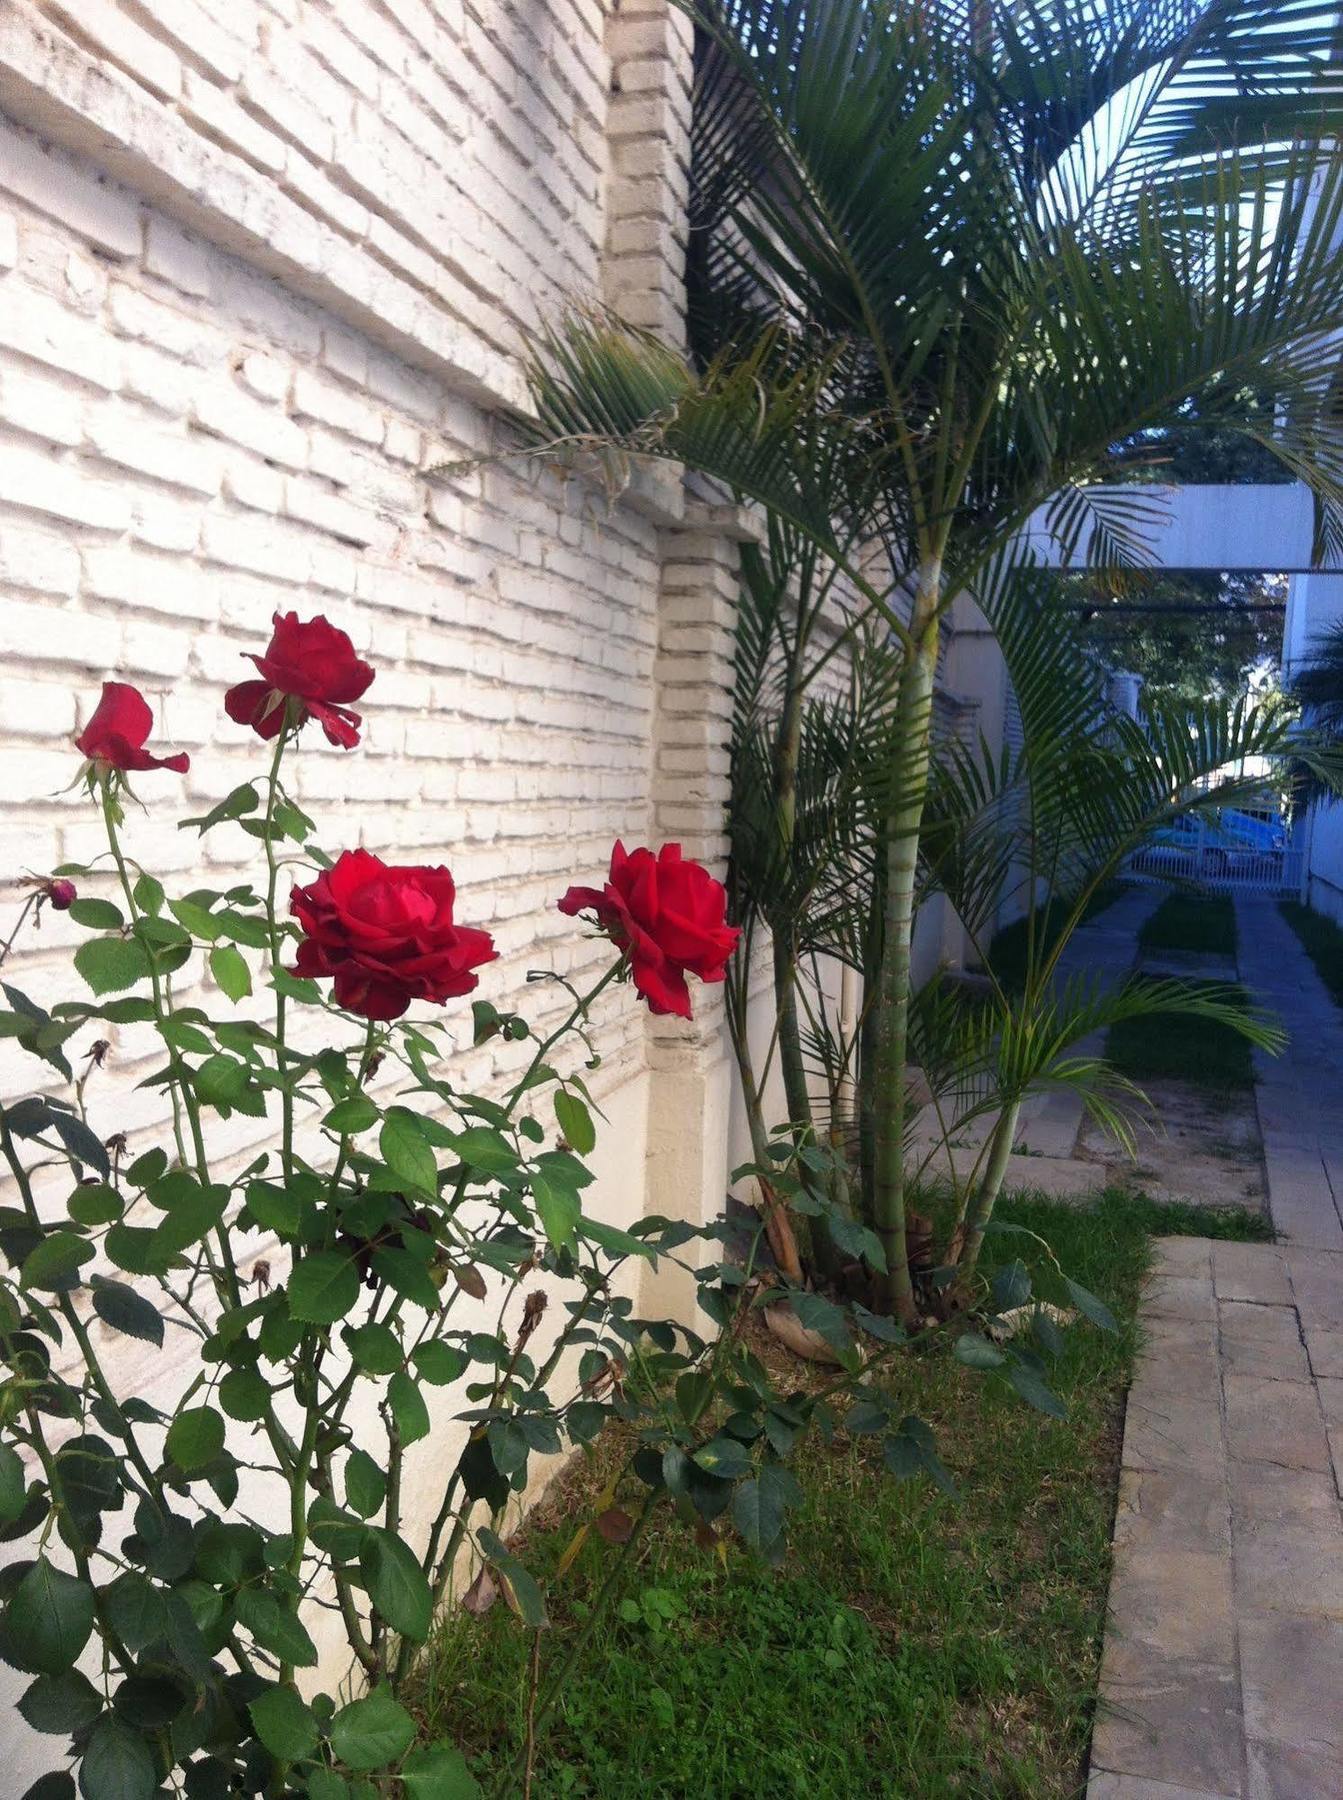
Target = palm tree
(952,261)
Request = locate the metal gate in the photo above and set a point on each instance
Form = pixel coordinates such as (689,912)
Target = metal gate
(1225,868)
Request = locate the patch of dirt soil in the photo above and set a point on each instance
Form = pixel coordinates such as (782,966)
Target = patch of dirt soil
(1200,1145)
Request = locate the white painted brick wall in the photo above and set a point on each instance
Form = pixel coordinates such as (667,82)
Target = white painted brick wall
(260,267)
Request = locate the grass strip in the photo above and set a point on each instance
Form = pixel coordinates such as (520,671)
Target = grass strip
(1173,1047)
(911,1644)
(1322,941)
(1196,923)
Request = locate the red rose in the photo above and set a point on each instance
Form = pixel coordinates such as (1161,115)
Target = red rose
(61,893)
(386,934)
(116,733)
(310,661)
(668,915)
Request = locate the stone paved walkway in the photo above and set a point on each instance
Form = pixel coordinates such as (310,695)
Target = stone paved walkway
(1300,1093)
(1223,1669)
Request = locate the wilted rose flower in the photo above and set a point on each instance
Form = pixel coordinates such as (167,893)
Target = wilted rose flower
(312,662)
(669,915)
(61,893)
(114,737)
(387,935)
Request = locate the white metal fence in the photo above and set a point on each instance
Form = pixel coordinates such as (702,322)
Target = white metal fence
(1228,870)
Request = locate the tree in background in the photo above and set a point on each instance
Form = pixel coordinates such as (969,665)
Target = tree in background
(980,254)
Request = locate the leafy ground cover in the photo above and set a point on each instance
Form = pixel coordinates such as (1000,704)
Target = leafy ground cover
(912,1643)
(1203,923)
(1322,941)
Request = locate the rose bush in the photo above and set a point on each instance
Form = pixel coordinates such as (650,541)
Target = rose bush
(170,1560)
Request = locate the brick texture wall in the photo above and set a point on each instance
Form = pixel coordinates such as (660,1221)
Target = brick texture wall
(264,264)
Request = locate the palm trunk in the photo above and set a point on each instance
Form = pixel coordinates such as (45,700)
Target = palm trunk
(976,1224)
(911,751)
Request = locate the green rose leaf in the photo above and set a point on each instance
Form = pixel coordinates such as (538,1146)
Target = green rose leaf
(575,1121)
(117,1765)
(406,1151)
(275,1627)
(408,1408)
(438,1773)
(195,1438)
(559,1210)
(365,1484)
(124,1310)
(108,964)
(231,973)
(13,1487)
(97,915)
(375,1347)
(285,1724)
(49,1619)
(372,1732)
(438,1363)
(323,1287)
(61,1704)
(351,1116)
(55,1263)
(396,1583)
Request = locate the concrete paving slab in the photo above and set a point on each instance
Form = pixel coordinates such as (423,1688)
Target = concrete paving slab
(1289,1566)
(1274,1421)
(1243,1272)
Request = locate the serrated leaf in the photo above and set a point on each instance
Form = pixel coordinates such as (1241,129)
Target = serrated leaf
(396,1583)
(725,1457)
(285,1723)
(13,1486)
(352,1115)
(195,1438)
(49,1619)
(438,1363)
(575,1121)
(60,1705)
(109,964)
(438,1772)
(372,1732)
(407,1408)
(54,1265)
(97,915)
(117,1765)
(558,1209)
(231,973)
(485,1149)
(365,1484)
(406,1152)
(275,1627)
(323,1287)
(124,1310)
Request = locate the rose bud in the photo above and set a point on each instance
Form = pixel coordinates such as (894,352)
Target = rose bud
(61,894)
(114,738)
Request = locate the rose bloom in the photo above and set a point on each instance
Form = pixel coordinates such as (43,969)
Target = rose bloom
(115,735)
(313,662)
(669,915)
(386,934)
